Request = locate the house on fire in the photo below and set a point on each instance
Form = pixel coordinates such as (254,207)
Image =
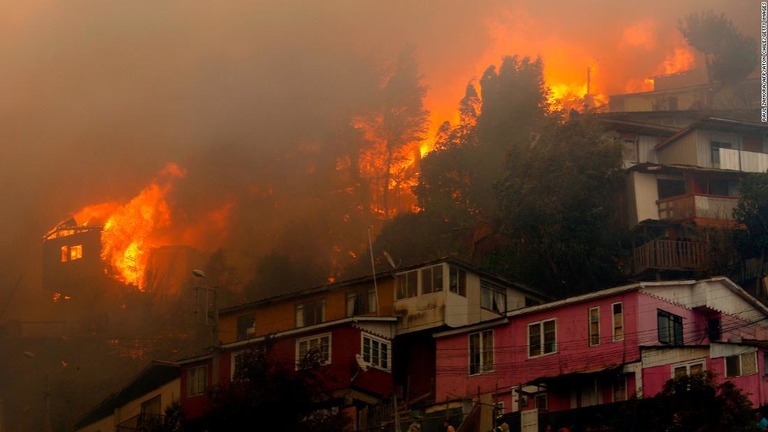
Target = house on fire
(575,360)
(374,335)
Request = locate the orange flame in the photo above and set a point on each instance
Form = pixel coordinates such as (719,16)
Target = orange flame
(127,229)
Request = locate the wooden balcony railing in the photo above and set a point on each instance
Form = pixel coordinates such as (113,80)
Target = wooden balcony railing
(669,255)
(697,206)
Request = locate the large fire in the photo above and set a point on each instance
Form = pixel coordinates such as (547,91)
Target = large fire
(128,228)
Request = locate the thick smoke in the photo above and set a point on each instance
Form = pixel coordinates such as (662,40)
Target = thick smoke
(97,97)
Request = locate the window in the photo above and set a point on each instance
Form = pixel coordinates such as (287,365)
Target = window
(541,402)
(670,328)
(741,364)
(618,321)
(765,363)
(151,406)
(620,389)
(71,253)
(237,364)
(376,352)
(629,147)
(542,338)
(246,326)
(319,346)
(594,326)
(310,313)
(408,284)
(361,302)
(715,147)
(458,281)
(670,188)
(197,377)
(481,352)
(687,369)
(493,297)
(714,329)
(432,279)
(75,252)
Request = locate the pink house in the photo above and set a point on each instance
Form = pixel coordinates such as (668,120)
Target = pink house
(603,347)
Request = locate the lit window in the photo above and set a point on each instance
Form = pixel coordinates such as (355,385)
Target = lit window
(740,365)
(197,378)
(64,253)
(310,313)
(481,352)
(75,252)
(594,326)
(376,352)
(314,348)
(542,338)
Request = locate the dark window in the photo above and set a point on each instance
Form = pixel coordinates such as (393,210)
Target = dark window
(714,331)
(361,302)
(310,313)
(493,297)
(716,146)
(458,281)
(481,352)
(246,326)
(670,328)
(670,188)
(432,279)
(408,284)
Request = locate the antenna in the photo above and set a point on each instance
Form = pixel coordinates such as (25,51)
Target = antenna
(391,261)
(360,362)
(373,272)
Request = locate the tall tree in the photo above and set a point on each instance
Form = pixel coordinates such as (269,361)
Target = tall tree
(404,120)
(751,212)
(559,201)
(729,55)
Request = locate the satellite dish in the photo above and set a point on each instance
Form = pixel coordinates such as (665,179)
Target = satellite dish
(389,258)
(360,362)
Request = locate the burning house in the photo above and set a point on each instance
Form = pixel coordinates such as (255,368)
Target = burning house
(72,258)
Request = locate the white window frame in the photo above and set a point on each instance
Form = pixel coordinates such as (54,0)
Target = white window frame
(197,380)
(741,372)
(457,281)
(493,297)
(688,366)
(594,334)
(302,311)
(542,345)
(308,340)
(485,348)
(381,361)
(614,315)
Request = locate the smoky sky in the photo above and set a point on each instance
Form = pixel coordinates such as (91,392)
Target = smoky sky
(96,97)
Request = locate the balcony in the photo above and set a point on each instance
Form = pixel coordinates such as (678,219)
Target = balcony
(688,207)
(670,255)
(141,422)
(740,160)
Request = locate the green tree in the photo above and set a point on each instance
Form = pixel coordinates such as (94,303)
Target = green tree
(751,212)
(284,396)
(559,204)
(729,55)
(698,403)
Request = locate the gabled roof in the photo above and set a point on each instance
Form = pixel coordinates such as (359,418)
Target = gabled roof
(639,286)
(152,377)
(371,278)
(717,123)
